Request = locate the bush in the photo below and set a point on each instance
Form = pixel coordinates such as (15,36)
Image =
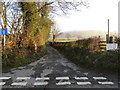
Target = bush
(85,55)
(20,56)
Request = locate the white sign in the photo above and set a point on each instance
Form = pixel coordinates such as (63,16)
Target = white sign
(111,46)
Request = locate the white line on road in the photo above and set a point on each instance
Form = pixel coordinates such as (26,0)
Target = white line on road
(2,83)
(40,83)
(21,78)
(106,83)
(63,83)
(98,78)
(5,77)
(19,84)
(43,78)
(83,83)
(81,78)
(58,78)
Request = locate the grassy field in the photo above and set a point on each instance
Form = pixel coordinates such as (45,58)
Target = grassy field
(65,39)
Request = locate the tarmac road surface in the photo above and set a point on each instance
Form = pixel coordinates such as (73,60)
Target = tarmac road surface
(55,71)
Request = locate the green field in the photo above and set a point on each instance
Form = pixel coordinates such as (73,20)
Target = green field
(65,39)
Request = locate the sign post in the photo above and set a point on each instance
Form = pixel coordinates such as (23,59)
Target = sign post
(1,10)
(4,31)
(4,40)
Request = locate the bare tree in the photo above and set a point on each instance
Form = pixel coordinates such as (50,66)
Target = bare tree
(12,16)
(11,19)
(55,32)
(59,7)
(68,36)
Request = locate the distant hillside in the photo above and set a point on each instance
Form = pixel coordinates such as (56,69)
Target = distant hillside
(84,34)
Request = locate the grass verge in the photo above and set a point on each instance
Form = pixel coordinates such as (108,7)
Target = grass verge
(16,57)
(107,60)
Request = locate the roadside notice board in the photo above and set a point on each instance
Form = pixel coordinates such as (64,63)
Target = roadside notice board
(111,46)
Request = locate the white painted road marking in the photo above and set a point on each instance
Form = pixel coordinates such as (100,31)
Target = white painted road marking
(99,78)
(2,83)
(40,83)
(83,83)
(58,78)
(106,83)
(21,78)
(63,83)
(81,78)
(19,84)
(43,78)
(5,77)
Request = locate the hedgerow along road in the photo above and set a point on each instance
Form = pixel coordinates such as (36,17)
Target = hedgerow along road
(55,71)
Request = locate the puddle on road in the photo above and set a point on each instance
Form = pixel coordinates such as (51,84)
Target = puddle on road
(70,65)
(85,74)
(46,72)
(65,71)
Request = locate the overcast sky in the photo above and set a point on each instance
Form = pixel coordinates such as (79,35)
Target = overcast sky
(92,18)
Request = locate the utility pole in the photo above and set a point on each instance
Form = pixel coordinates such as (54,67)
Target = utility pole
(108,35)
(108,28)
(5,26)
(1,44)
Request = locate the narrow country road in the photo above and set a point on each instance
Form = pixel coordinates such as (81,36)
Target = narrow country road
(55,71)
